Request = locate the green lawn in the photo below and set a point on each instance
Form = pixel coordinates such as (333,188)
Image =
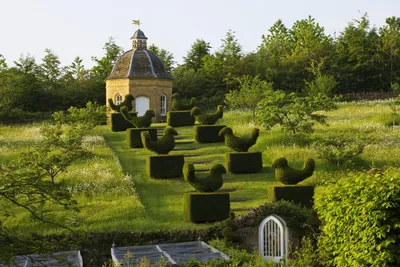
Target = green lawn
(114,193)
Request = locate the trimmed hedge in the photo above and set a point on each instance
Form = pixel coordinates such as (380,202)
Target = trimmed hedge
(239,144)
(209,118)
(118,122)
(164,145)
(206,207)
(180,118)
(134,137)
(289,176)
(208,133)
(164,166)
(243,162)
(299,194)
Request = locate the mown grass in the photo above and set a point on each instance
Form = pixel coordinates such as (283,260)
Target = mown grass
(114,192)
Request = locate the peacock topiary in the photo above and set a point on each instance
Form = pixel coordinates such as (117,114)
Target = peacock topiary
(239,144)
(208,118)
(178,104)
(139,122)
(289,176)
(162,146)
(126,103)
(212,182)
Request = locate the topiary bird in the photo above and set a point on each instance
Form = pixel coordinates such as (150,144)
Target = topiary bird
(177,103)
(212,182)
(163,145)
(287,175)
(239,144)
(126,103)
(139,122)
(207,118)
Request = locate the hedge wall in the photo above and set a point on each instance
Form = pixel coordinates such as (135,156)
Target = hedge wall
(164,166)
(206,207)
(134,137)
(118,122)
(208,133)
(243,162)
(180,118)
(299,194)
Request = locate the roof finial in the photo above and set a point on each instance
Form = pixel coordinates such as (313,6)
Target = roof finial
(136,22)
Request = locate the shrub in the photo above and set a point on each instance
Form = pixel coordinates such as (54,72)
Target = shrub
(243,162)
(118,122)
(299,194)
(287,175)
(207,118)
(361,220)
(126,103)
(93,114)
(206,207)
(230,226)
(209,183)
(179,104)
(134,137)
(208,133)
(164,166)
(180,118)
(162,146)
(239,144)
(339,150)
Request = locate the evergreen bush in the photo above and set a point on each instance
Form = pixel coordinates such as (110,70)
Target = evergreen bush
(243,162)
(134,137)
(118,122)
(208,133)
(180,118)
(206,207)
(164,166)
(299,194)
(207,118)
(289,176)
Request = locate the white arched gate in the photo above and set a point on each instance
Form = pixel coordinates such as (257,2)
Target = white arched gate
(273,239)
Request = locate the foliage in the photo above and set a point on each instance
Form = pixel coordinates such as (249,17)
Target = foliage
(94,114)
(298,194)
(210,183)
(141,121)
(244,162)
(194,58)
(251,91)
(162,146)
(178,104)
(207,118)
(134,137)
(230,226)
(126,103)
(180,118)
(208,133)
(322,83)
(239,144)
(361,221)
(289,176)
(339,149)
(166,57)
(293,113)
(202,207)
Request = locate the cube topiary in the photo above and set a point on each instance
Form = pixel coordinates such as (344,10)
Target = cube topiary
(299,194)
(164,166)
(134,137)
(243,162)
(180,118)
(206,207)
(118,122)
(208,133)
(287,175)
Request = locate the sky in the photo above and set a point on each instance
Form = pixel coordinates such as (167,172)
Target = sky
(72,28)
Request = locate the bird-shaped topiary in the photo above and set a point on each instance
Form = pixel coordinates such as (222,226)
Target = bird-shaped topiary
(239,144)
(212,182)
(126,103)
(139,122)
(162,146)
(178,104)
(207,118)
(287,175)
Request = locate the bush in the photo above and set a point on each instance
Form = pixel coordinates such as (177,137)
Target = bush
(287,175)
(93,114)
(299,194)
(206,207)
(361,220)
(180,118)
(134,137)
(209,118)
(208,133)
(119,124)
(164,166)
(243,162)
(339,150)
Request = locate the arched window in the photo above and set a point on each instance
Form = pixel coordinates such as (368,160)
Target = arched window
(118,99)
(163,105)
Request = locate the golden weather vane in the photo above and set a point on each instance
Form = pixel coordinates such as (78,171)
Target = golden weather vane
(136,22)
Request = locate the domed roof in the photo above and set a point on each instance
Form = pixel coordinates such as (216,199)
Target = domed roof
(139,62)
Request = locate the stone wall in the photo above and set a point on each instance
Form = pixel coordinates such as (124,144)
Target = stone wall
(152,88)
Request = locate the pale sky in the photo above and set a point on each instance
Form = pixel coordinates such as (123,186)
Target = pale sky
(81,27)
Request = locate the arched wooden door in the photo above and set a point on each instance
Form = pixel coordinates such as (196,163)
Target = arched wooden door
(142,104)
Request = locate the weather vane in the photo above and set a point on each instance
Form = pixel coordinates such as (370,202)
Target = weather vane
(136,22)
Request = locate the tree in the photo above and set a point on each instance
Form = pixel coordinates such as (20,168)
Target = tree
(321,84)
(166,57)
(194,58)
(105,64)
(293,113)
(251,91)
